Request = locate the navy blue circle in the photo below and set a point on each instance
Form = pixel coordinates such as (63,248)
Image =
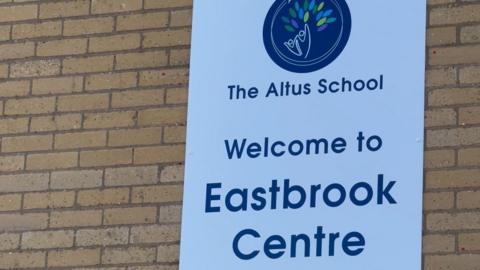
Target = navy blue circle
(303,48)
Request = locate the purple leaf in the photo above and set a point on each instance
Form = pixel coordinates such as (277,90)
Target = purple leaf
(323,27)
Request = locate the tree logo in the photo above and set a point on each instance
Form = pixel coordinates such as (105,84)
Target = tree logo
(306,35)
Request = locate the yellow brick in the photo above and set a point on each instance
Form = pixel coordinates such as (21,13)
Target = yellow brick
(52,161)
(61,85)
(162,116)
(77,257)
(102,237)
(62,47)
(453,137)
(134,215)
(57,122)
(24,182)
(16,260)
(11,163)
(172,174)
(13,125)
(170,214)
(440,117)
(174,134)
(88,26)
(14,88)
(157,194)
(27,143)
(167,38)
(165,77)
(453,96)
(3,71)
(48,239)
(5,32)
(438,243)
(88,64)
(441,77)
(103,197)
(35,68)
(30,106)
(114,43)
(180,57)
(18,13)
(181,18)
(80,140)
(149,4)
(454,15)
(469,241)
(9,241)
(452,178)
(109,120)
(159,154)
(468,200)
(454,55)
(82,102)
(142,21)
(106,157)
(453,221)
(23,222)
(17,50)
(47,200)
(441,36)
(35,30)
(168,254)
(470,75)
(155,234)
(131,176)
(64,9)
(76,179)
(141,60)
(111,81)
(469,115)
(129,255)
(10,202)
(439,159)
(438,200)
(113,6)
(469,157)
(137,98)
(177,96)
(81,218)
(470,34)
(128,137)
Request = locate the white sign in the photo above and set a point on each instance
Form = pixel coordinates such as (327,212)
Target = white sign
(305,135)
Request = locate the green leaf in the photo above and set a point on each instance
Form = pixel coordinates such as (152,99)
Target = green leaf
(321,21)
(289,28)
(322,4)
(305,5)
(306,17)
(292,13)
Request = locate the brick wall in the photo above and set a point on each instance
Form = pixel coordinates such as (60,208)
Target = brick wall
(92,115)
(452,156)
(93,104)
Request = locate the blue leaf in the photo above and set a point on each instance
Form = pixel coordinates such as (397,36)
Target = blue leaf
(328,12)
(312,5)
(301,13)
(297,6)
(319,16)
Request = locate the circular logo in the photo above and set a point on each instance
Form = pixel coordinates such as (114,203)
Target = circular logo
(306,35)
